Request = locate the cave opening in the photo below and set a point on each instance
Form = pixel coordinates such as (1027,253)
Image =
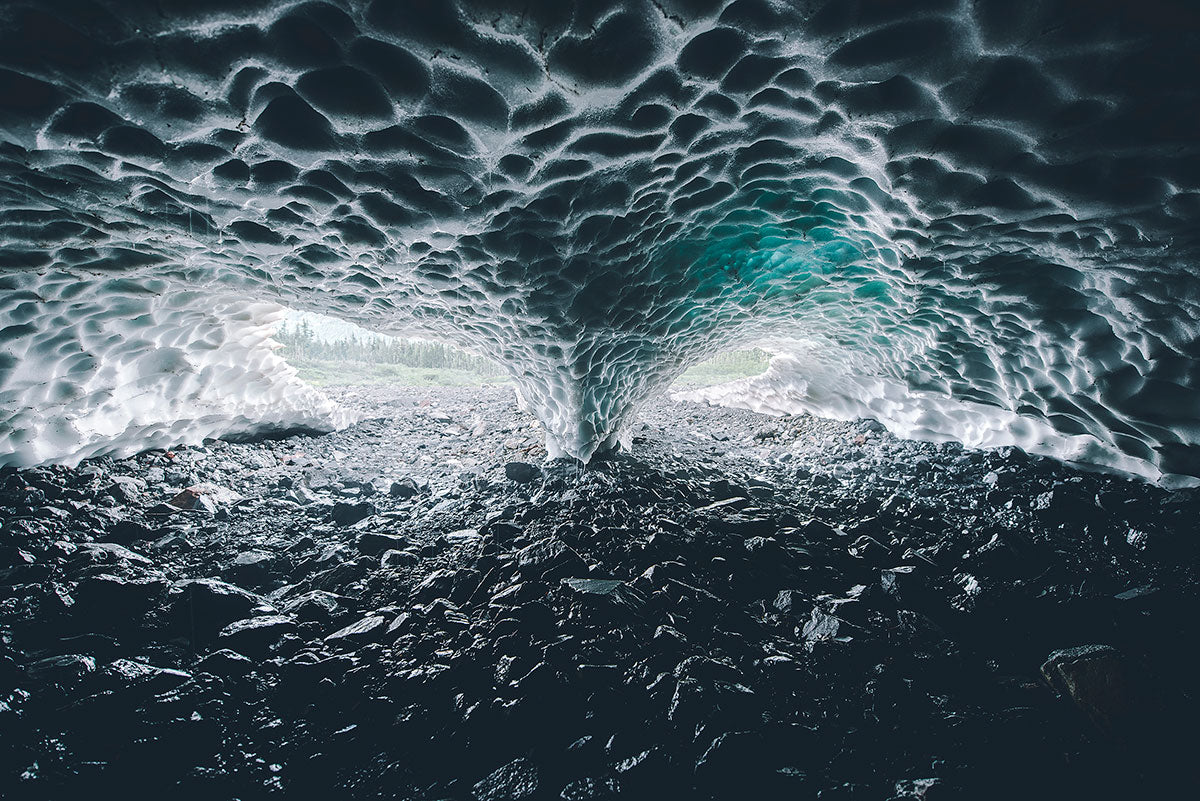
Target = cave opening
(710,399)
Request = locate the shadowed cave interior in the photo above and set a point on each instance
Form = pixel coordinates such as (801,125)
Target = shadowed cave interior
(943,547)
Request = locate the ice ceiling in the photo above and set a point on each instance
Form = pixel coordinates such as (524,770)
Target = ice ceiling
(993,202)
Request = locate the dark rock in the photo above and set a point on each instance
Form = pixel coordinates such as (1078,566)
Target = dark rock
(516,780)
(204,606)
(502,531)
(706,669)
(711,701)
(252,567)
(617,593)
(62,670)
(255,636)
(437,584)
(1065,504)
(103,647)
(346,514)
(393,559)
(1101,683)
(317,606)
(171,541)
(764,552)
(1000,556)
(919,790)
(870,549)
(1138,595)
(369,629)
(375,543)
(105,553)
(405,488)
(127,531)
(646,774)
(728,759)
(521,472)
(748,527)
(11,557)
(125,489)
(1137,539)
(225,663)
(905,583)
(462,536)
(113,597)
(591,789)
(821,626)
(971,588)
(669,639)
(338,577)
(550,558)
(722,489)
(787,602)
(155,679)
(513,629)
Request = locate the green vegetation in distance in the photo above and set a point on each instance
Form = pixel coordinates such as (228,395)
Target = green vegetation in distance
(303,348)
(374,359)
(724,367)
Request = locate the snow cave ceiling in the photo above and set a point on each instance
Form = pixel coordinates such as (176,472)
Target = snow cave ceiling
(987,201)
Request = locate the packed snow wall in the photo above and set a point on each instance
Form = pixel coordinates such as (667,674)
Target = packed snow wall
(120,365)
(806,377)
(991,202)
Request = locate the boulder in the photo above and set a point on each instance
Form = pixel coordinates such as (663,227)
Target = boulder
(255,636)
(205,606)
(375,543)
(591,789)
(549,558)
(100,553)
(317,606)
(404,488)
(521,472)
(617,593)
(127,672)
(1066,503)
(127,531)
(111,597)
(512,782)
(347,514)
(1100,682)
(726,760)
(252,567)
(787,601)
(360,632)
(821,627)
(125,489)
(64,669)
(393,559)
(225,663)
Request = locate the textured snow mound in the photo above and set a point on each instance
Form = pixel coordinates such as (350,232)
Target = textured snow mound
(118,366)
(993,202)
(803,379)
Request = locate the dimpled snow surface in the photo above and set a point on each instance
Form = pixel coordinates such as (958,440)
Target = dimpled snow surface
(971,216)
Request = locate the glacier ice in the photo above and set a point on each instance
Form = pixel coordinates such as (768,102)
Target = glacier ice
(120,365)
(805,377)
(985,202)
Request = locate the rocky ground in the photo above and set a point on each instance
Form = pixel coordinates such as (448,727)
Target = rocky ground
(739,607)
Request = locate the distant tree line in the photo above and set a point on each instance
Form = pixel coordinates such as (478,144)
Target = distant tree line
(754,360)
(302,344)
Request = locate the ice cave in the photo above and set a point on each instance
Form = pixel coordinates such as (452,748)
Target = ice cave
(943,547)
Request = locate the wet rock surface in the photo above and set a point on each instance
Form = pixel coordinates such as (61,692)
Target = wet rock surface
(739,607)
